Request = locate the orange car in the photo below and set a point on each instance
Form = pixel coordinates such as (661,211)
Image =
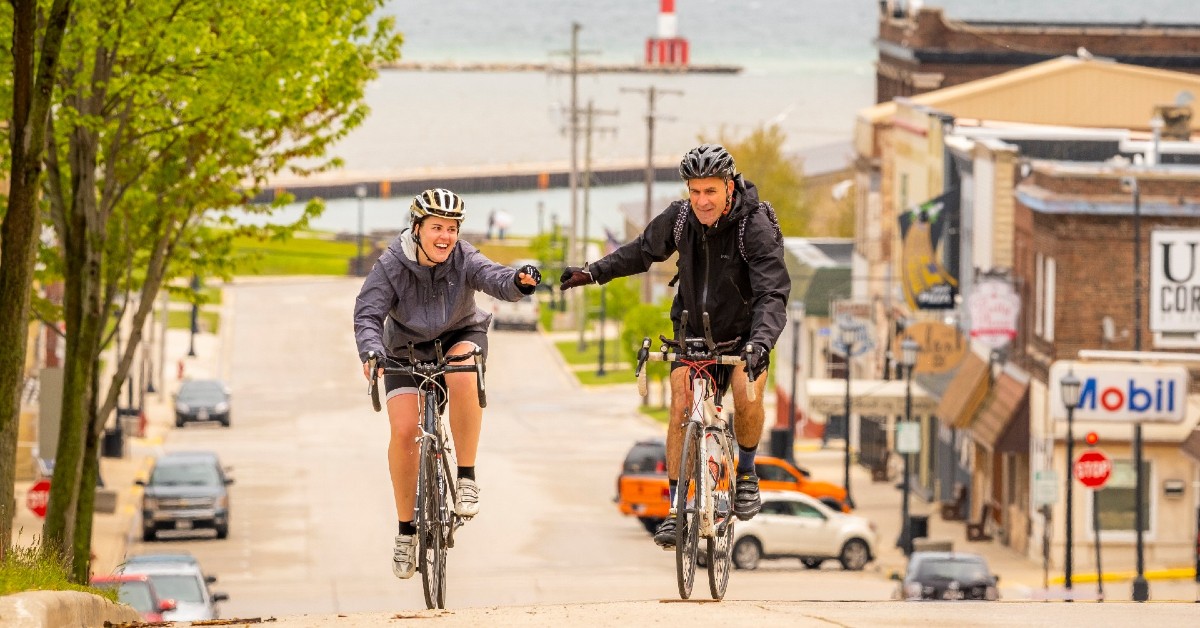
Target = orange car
(642,484)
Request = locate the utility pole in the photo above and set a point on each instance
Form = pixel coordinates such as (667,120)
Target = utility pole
(651,95)
(573,131)
(589,115)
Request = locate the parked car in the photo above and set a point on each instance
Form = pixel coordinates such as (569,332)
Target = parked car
(138,591)
(178,558)
(947,576)
(186,490)
(796,525)
(522,314)
(642,484)
(202,400)
(183,583)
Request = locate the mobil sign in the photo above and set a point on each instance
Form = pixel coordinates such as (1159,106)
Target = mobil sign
(1121,392)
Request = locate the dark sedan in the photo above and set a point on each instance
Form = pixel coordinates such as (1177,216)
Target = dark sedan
(202,400)
(948,576)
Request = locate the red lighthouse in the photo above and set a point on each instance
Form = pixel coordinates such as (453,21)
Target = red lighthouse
(668,49)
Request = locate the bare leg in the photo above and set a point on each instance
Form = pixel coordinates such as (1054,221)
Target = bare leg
(748,415)
(466,416)
(681,399)
(403,453)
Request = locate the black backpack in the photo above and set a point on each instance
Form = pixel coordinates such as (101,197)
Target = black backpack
(686,207)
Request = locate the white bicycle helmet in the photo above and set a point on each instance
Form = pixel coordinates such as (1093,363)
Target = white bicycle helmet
(437,202)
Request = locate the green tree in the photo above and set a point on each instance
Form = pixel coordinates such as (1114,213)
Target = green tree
(647,320)
(174,113)
(28,88)
(759,156)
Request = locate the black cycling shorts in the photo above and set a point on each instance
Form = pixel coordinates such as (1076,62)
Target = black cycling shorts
(425,352)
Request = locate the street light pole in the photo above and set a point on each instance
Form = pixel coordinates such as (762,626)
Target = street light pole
(797,315)
(1070,398)
(1141,587)
(908,359)
(361,193)
(847,336)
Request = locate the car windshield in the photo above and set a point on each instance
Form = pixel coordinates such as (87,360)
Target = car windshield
(201,393)
(137,595)
(646,458)
(951,569)
(185,474)
(179,587)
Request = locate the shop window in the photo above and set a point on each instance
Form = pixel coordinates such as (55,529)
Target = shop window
(1117,499)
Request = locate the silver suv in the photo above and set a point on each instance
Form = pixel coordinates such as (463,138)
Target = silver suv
(186,490)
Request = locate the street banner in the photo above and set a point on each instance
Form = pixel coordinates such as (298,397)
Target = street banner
(941,346)
(930,282)
(994,308)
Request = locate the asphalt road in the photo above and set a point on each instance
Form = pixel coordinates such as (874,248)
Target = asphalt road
(313,521)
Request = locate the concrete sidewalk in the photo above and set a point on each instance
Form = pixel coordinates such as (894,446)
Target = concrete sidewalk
(1020,577)
(113,531)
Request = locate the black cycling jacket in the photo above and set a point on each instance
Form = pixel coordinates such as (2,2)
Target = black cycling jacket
(743,297)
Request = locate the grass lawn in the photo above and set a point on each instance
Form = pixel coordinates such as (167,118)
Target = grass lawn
(572,355)
(182,319)
(611,376)
(656,413)
(26,569)
(296,256)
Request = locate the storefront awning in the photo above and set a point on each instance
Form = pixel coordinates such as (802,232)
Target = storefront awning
(965,393)
(867,396)
(1002,423)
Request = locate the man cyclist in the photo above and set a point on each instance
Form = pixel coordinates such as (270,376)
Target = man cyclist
(730,265)
(421,290)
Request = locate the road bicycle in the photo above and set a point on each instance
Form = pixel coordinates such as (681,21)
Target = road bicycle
(433,513)
(708,466)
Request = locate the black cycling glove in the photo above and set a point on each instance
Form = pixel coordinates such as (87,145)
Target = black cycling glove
(532,271)
(757,361)
(575,276)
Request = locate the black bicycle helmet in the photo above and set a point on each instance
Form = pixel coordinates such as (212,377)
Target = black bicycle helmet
(706,160)
(437,202)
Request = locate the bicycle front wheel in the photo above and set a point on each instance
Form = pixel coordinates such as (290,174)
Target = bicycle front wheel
(721,544)
(687,509)
(431,520)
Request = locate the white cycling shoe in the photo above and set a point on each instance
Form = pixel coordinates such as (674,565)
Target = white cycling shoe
(467,504)
(404,558)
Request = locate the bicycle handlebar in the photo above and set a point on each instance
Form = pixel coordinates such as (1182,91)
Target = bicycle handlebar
(688,353)
(424,370)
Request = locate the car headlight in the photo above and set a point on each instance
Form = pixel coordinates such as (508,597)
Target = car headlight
(223,502)
(991,593)
(912,590)
(182,407)
(221,407)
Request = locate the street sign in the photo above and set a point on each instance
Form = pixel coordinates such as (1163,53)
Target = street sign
(908,437)
(1092,468)
(38,497)
(1115,392)
(1045,488)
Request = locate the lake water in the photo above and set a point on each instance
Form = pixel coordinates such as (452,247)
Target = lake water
(809,66)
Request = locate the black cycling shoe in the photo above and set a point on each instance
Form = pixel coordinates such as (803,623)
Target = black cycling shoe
(664,536)
(746,502)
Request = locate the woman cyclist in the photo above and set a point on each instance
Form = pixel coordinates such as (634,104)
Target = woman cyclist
(422,290)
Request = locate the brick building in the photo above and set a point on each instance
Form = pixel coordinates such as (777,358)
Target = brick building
(923,50)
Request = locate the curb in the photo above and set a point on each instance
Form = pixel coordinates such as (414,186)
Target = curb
(58,609)
(1178,573)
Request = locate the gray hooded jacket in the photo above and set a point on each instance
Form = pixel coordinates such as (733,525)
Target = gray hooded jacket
(420,303)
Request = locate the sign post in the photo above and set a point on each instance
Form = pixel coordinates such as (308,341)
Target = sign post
(1093,468)
(38,498)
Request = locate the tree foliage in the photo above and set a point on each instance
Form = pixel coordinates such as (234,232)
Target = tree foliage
(173,113)
(646,320)
(759,156)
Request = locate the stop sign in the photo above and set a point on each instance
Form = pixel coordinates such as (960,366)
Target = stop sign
(38,496)
(1092,468)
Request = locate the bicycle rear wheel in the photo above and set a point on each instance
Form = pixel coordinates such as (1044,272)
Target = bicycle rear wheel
(721,545)
(431,513)
(687,509)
